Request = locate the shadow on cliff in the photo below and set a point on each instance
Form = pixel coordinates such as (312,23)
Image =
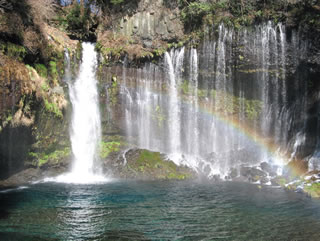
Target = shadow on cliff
(14,145)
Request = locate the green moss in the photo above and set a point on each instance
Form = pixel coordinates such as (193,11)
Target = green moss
(30,71)
(53,69)
(53,108)
(42,70)
(313,190)
(159,52)
(13,50)
(153,164)
(45,87)
(107,147)
(54,157)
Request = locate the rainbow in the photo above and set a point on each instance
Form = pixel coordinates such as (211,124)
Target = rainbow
(266,144)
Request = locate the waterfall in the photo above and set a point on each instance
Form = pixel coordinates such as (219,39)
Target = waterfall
(85,130)
(187,105)
(174,62)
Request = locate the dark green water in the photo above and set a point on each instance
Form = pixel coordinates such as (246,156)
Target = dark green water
(157,211)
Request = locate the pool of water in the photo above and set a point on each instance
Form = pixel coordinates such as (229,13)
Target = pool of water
(167,210)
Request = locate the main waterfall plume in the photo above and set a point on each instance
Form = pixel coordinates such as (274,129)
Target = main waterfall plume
(85,131)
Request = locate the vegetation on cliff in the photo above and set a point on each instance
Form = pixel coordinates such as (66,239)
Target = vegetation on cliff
(31,73)
(34,35)
(246,12)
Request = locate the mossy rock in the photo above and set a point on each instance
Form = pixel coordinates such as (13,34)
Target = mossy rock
(148,165)
(313,190)
(50,159)
(280,181)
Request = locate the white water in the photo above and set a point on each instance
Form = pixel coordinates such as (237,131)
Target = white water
(174,62)
(85,131)
(165,105)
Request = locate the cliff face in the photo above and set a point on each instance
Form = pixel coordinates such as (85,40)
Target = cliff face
(252,62)
(33,104)
(258,68)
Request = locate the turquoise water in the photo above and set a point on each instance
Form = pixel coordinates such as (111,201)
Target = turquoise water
(165,210)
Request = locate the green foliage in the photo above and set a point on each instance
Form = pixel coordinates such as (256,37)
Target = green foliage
(238,13)
(13,50)
(192,15)
(45,87)
(74,19)
(159,52)
(176,45)
(307,14)
(30,71)
(54,157)
(53,108)
(53,69)
(42,70)
(107,147)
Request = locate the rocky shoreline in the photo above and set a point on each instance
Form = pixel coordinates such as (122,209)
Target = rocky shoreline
(145,165)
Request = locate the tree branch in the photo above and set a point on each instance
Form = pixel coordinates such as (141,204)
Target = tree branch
(4,4)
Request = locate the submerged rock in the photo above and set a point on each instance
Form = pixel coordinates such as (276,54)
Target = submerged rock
(253,174)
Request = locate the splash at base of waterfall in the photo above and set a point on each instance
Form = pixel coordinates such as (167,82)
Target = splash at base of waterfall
(76,178)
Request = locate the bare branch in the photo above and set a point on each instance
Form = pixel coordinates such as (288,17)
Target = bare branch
(4,4)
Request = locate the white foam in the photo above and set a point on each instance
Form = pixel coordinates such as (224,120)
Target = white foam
(14,189)
(75,178)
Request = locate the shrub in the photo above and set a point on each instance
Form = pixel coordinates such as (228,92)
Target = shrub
(193,14)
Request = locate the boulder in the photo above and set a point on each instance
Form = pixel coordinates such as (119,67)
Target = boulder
(147,165)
